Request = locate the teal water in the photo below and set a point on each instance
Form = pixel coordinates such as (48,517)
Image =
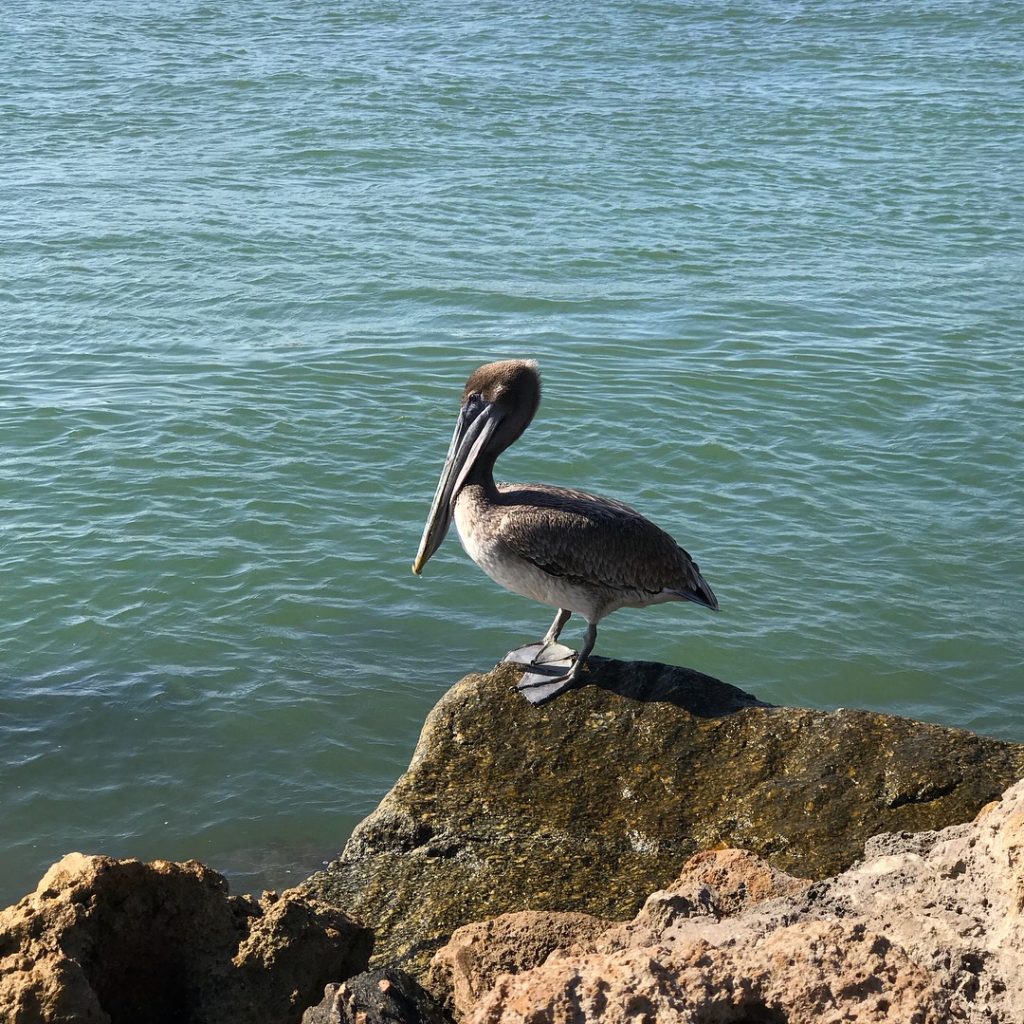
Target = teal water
(769,255)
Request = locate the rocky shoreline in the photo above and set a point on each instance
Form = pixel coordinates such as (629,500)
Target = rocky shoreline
(657,845)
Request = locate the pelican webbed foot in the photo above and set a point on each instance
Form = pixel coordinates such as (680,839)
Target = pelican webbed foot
(551,667)
(539,689)
(541,653)
(550,670)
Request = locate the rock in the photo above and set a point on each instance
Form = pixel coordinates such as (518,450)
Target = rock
(728,881)
(589,803)
(104,941)
(478,953)
(388,996)
(813,973)
(715,884)
(330,1009)
(927,929)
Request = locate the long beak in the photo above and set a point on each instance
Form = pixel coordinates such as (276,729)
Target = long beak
(476,424)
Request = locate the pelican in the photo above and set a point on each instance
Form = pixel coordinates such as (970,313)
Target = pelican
(565,548)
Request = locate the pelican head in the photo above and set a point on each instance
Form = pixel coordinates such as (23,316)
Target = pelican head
(498,402)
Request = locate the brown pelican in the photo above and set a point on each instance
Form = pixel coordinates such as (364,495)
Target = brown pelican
(564,548)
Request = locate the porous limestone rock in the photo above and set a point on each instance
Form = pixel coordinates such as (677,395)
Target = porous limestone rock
(713,884)
(589,803)
(478,953)
(104,941)
(927,929)
(811,973)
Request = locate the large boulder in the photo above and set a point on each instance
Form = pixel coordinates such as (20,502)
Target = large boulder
(593,801)
(104,941)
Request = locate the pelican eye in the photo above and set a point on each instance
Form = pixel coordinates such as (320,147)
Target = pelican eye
(472,404)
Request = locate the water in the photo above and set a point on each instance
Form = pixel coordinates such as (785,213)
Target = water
(770,259)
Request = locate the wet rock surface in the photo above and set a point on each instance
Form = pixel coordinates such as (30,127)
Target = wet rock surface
(590,803)
(104,941)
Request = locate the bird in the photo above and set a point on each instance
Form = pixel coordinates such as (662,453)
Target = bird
(562,547)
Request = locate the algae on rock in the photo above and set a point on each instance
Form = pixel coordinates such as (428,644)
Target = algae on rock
(595,800)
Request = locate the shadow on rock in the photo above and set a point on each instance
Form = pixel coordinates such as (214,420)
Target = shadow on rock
(652,683)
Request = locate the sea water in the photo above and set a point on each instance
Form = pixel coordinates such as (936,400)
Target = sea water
(769,256)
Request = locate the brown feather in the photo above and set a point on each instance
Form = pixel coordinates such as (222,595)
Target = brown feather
(595,541)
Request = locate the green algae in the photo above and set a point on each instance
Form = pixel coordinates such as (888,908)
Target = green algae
(592,802)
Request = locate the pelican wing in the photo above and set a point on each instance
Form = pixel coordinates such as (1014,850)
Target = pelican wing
(596,541)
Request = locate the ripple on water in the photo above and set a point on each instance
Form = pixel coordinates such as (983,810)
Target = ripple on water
(768,258)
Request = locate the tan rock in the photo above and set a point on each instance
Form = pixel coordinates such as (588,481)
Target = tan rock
(712,885)
(478,953)
(928,927)
(104,941)
(736,879)
(810,973)
(716,883)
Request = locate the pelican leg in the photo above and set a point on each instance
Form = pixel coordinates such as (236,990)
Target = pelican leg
(556,627)
(538,686)
(547,651)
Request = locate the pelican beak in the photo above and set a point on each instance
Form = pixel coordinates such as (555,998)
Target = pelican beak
(478,419)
